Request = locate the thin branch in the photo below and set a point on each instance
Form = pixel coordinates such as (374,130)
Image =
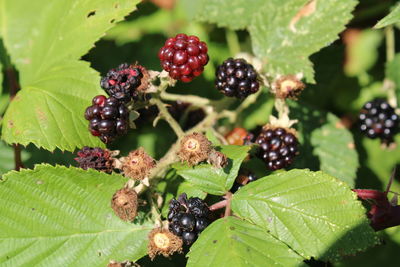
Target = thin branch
(167,116)
(219,205)
(192,99)
(228,210)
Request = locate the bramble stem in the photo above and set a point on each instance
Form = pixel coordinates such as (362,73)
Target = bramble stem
(192,99)
(228,211)
(388,85)
(219,205)
(14,88)
(167,116)
(233,42)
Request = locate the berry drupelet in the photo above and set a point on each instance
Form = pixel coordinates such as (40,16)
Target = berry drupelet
(379,120)
(108,118)
(95,158)
(188,217)
(236,78)
(122,82)
(243,179)
(278,147)
(183,57)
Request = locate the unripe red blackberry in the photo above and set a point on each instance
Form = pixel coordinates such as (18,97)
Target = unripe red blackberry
(95,158)
(237,136)
(236,78)
(124,82)
(379,120)
(277,147)
(188,217)
(183,57)
(108,118)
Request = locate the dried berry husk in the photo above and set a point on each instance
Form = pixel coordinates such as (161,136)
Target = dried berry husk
(237,136)
(124,203)
(217,159)
(288,86)
(163,242)
(194,148)
(137,164)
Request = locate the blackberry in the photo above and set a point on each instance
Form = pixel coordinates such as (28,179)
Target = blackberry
(277,147)
(123,82)
(379,120)
(242,179)
(183,57)
(188,218)
(95,158)
(236,78)
(108,118)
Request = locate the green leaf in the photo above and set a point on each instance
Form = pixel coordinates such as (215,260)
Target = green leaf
(45,41)
(213,180)
(284,33)
(231,242)
(335,148)
(1,79)
(390,19)
(235,14)
(392,72)
(58,216)
(312,212)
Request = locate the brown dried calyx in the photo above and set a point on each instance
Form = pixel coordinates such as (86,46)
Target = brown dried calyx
(145,80)
(194,148)
(163,242)
(137,164)
(289,86)
(124,203)
(217,159)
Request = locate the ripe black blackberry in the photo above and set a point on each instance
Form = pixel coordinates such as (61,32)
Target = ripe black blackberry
(237,78)
(95,158)
(278,147)
(188,218)
(108,118)
(242,179)
(183,57)
(123,82)
(379,120)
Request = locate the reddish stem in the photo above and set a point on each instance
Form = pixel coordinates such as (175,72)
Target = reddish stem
(370,194)
(218,205)
(228,198)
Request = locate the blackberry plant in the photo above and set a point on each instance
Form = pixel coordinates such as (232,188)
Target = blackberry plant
(257,162)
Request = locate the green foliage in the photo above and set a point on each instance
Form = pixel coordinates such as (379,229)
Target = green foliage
(312,212)
(392,73)
(335,148)
(224,242)
(52,213)
(392,18)
(56,85)
(284,33)
(216,181)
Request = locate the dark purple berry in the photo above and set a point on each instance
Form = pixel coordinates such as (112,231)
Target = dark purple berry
(378,120)
(277,147)
(236,77)
(188,238)
(95,158)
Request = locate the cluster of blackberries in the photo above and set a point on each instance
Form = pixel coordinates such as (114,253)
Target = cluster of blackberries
(235,77)
(188,217)
(184,57)
(379,120)
(108,118)
(95,158)
(243,179)
(277,147)
(122,82)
